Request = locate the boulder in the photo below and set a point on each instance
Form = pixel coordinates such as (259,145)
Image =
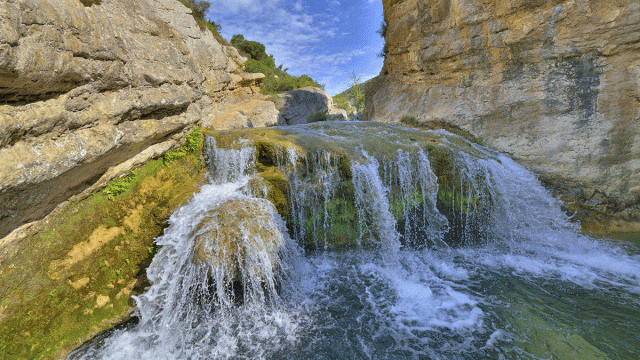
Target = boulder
(555,84)
(298,105)
(243,114)
(337,114)
(240,236)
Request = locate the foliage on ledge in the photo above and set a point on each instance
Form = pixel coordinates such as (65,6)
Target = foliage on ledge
(276,78)
(199,12)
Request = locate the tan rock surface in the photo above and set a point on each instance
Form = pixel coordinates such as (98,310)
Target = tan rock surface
(243,114)
(553,83)
(83,89)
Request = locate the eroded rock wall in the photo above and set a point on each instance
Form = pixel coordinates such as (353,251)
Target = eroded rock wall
(85,88)
(553,83)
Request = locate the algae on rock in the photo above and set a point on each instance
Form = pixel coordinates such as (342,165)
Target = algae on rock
(75,276)
(307,172)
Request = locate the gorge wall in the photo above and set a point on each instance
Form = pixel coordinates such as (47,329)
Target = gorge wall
(84,88)
(553,83)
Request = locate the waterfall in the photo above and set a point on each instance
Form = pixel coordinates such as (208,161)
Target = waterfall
(388,243)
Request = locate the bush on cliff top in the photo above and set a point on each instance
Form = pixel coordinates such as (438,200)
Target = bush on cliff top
(199,12)
(276,78)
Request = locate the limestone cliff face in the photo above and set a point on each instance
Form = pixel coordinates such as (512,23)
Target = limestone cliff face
(85,88)
(553,83)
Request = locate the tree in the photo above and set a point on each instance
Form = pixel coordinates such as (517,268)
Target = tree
(357,96)
(254,49)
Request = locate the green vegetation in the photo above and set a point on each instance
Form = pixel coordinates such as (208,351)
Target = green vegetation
(410,120)
(120,186)
(75,276)
(383,29)
(192,144)
(318,116)
(199,12)
(383,33)
(276,78)
(352,99)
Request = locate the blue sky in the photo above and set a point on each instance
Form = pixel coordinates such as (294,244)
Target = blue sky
(326,40)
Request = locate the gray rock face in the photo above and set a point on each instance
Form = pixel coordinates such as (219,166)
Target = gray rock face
(296,106)
(555,84)
(337,114)
(85,88)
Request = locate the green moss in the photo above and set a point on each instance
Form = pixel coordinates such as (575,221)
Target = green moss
(277,191)
(468,204)
(74,277)
(334,226)
(170,156)
(410,120)
(400,206)
(193,142)
(121,185)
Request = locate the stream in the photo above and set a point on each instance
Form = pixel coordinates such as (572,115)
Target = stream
(517,282)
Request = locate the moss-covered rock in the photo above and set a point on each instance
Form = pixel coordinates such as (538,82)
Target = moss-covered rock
(75,276)
(237,234)
(314,164)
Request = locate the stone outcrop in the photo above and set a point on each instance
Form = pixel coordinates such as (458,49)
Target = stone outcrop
(243,114)
(298,105)
(83,89)
(241,236)
(553,83)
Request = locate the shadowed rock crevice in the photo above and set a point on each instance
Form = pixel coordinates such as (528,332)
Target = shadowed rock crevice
(31,202)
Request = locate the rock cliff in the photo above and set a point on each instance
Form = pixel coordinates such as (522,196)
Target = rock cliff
(553,83)
(84,88)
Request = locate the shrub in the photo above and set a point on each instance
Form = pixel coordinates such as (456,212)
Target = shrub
(276,78)
(199,12)
(383,29)
(318,116)
(410,120)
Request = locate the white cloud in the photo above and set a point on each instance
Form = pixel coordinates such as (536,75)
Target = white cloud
(242,6)
(300,36)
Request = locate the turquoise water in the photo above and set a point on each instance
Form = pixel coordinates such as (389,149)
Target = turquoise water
(531,288)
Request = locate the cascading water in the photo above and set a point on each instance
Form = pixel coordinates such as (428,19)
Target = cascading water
(477,262)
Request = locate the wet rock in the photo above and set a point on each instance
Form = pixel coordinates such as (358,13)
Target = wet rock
(242,236)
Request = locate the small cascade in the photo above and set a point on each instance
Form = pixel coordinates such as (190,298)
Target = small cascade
(219,270)
(362,184)
(360,240)
(371,198)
